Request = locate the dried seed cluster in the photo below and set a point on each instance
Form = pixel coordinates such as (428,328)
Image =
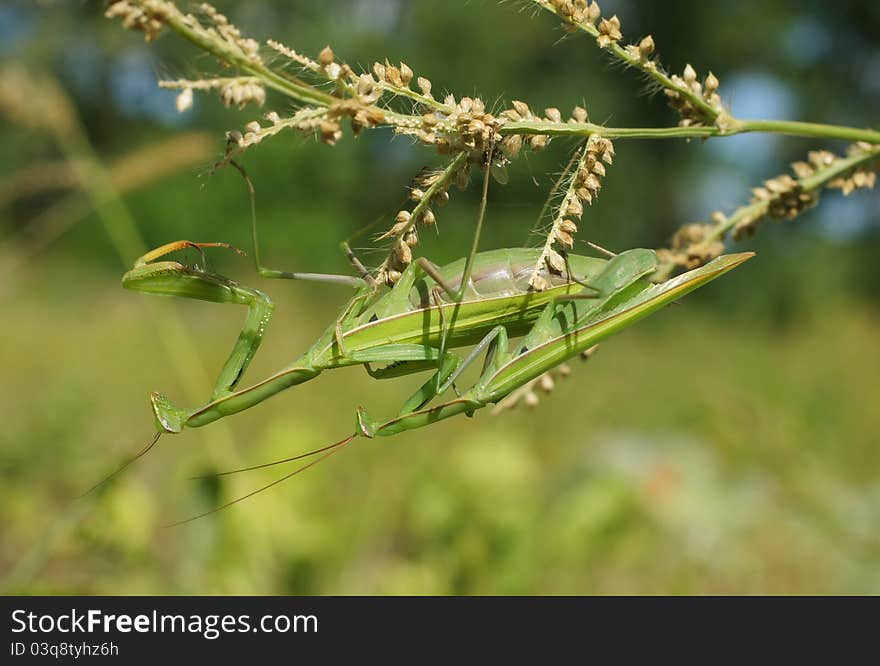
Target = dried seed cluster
(467,126)
(575,12)
(583,187)
(359,116)
(642,51)
(398,77)
(863,177)
(527,394)
(428,190)
(451,125)
(696,101)
(148,20)
(242,94)
(234,91)
(782,198)
(785,196)
(694,244)
(308,121)
(707,90)
(149,17)
(220,28)
(513,143)
(325,66)
(609,31)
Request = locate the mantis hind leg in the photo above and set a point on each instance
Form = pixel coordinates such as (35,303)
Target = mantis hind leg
(450,367)
(469,262)
(414,414)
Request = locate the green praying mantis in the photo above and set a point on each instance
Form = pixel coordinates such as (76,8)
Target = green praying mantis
(482,301)
(411,326)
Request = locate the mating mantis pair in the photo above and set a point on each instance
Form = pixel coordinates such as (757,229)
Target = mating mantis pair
(483,300)
(407,326)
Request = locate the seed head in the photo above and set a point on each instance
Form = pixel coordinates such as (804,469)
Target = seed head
(511,145)
(146,20)
(325,57)
(711,84)
(609,32)
(406,74)
(522,110)
(392,76)
(184,100)
(538,142)
(331,132)
(424,85)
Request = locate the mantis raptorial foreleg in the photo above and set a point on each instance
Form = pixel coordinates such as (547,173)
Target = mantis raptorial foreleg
(172,278)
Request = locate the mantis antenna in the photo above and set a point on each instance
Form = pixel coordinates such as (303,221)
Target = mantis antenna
(263,465)
(119,469)
(333,448)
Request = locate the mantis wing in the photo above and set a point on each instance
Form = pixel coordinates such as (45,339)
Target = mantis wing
(577,335)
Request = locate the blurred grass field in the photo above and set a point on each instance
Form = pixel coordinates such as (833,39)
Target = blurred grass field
(728,445)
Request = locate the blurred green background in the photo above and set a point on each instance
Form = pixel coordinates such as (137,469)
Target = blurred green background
(726,446)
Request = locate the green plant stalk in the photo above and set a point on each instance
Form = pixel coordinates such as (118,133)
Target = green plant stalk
(654,72)
(759,208)
(578,156)
(788,127)
(733,126)
(304,93)
(813,182)
(441,183)
(288,85)
(427,102)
